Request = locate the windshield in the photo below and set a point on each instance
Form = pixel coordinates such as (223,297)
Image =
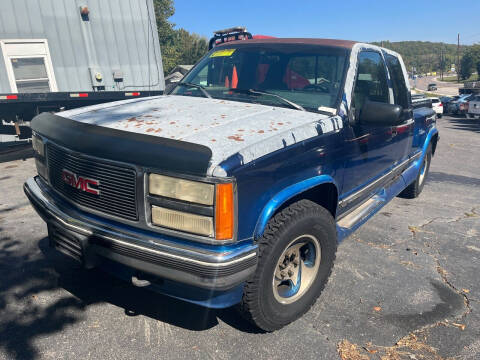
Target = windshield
(289,75)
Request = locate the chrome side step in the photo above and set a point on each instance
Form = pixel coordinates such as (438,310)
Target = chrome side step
(360,212)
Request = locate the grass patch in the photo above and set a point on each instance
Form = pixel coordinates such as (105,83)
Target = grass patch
(453,79)
(426,93)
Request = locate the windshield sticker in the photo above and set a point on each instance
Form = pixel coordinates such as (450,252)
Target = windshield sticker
(225,52)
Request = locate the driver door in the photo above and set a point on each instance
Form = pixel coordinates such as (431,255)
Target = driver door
(370,148)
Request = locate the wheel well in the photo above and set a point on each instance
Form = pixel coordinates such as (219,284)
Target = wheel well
(434,143)
(325,195)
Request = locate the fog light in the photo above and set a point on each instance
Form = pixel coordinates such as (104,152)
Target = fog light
(178,220)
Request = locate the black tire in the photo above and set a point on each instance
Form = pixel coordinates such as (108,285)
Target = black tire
(414,189)
(439,116)
(259,304)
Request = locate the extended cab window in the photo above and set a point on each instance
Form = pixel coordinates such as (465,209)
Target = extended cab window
(371,83)
(400,92)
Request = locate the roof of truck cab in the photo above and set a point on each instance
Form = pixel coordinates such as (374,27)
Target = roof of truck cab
(347,44)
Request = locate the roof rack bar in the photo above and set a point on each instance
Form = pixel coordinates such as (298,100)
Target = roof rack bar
(225,35)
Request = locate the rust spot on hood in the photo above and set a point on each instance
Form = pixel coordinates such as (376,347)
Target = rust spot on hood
(236,138)
(150,129)
(261,131)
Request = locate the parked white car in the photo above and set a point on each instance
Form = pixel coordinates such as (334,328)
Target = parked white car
(437,106)
(474,107)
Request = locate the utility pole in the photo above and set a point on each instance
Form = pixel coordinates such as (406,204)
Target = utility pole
(442,63)
(458,58)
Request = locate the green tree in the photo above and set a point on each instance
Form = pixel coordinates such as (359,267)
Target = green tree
(470,61)
(466,66)
(164,9)
(179,46)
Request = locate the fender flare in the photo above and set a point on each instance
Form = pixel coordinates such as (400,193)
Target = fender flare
(284,195)
(428,139)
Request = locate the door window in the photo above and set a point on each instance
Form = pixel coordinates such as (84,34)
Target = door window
(400,93)
(371,83)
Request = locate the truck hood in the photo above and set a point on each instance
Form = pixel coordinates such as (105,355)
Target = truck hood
(226,127)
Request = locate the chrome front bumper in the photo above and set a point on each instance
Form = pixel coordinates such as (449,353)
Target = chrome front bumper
(90,239)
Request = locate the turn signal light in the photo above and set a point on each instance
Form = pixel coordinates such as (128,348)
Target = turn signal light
(224,212)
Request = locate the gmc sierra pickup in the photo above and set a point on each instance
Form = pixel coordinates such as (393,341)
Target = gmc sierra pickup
(236,188)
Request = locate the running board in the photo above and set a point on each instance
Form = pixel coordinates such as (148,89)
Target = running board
(353,220)
(361,212)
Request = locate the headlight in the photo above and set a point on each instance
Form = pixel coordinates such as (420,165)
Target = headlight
(180,189)
(39,148)
(219,197)
(38,145)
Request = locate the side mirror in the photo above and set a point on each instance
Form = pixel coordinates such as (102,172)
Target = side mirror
(380,114)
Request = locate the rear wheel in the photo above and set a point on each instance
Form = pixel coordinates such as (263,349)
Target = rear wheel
(415,188)
(296,255)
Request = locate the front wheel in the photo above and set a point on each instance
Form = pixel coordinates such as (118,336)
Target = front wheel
(296,255)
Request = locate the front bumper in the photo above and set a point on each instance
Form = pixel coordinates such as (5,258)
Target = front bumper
(91,239)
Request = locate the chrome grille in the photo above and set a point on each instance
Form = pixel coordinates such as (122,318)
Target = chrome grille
(117,183)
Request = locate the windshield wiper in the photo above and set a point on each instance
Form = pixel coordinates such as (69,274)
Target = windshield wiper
(259,92)
(286,101)
(197,86)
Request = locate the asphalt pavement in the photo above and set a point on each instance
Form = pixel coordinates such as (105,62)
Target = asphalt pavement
(405,286)
(444,88)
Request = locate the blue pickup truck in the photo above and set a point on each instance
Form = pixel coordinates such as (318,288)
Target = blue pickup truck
(236,188)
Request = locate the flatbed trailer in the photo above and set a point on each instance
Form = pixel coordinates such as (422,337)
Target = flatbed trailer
(18,109)
(58,55)
(470,87)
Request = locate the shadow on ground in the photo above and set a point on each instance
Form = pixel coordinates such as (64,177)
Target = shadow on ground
(462,123)
(437,176)
(27,276)
(15,152)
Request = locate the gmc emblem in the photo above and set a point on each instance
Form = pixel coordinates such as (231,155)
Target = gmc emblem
(80,182)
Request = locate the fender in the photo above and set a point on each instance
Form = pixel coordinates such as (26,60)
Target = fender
(410,174)
(286,194)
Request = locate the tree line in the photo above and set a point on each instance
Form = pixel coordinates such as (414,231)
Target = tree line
(180,47)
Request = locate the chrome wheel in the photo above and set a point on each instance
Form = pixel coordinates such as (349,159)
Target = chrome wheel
(296,269)
(423,171)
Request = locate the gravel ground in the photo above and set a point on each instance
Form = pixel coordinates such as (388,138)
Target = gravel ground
(405,286)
